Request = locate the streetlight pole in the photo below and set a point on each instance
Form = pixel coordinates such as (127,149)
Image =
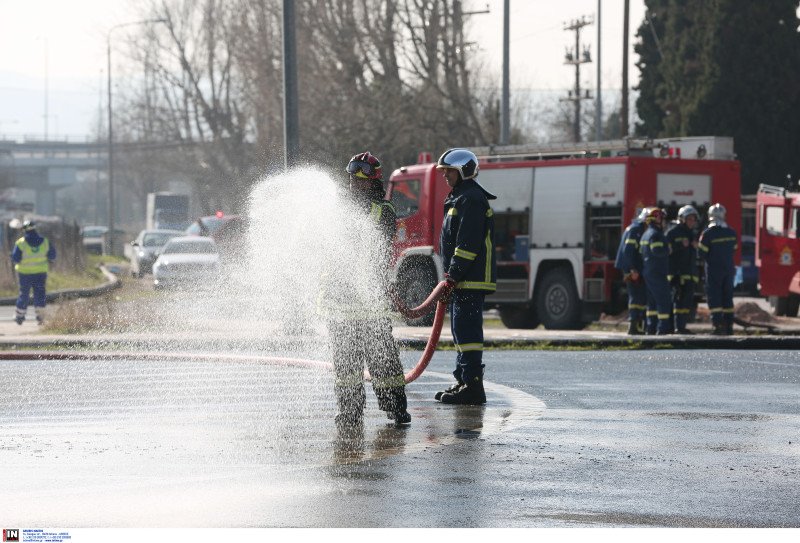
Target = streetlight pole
(111,133)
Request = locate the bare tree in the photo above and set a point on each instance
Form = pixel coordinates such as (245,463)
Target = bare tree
(393,77)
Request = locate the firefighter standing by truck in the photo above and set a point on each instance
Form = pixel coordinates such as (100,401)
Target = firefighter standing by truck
(683,265)
(629,261)
(31,256)
(655,262)
(468,256)
(717,246)
(359,322)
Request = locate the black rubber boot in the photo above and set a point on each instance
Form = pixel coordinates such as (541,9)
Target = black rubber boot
(450,390)
(398,412)
(471,393)
(719,329)
(729,328)
(635,328)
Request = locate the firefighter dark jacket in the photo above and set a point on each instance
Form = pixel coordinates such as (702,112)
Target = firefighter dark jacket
(356,288)
(467,238)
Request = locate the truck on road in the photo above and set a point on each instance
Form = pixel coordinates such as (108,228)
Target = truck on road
(167,211)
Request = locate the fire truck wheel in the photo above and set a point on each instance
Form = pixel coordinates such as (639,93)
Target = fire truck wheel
(415,284)
(519,317)
(557,303)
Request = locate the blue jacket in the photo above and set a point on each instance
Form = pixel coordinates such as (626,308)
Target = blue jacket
(467,238)
(628,255)
(717,246)
(655,251)
(683,260)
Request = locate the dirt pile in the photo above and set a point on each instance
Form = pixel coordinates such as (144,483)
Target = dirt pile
(751,312)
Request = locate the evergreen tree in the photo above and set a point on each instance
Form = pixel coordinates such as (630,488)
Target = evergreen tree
(725,68)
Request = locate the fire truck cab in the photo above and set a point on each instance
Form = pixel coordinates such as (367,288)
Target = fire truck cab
(778,248)
(559,217)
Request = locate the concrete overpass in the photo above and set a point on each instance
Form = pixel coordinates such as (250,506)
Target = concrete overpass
(36,170)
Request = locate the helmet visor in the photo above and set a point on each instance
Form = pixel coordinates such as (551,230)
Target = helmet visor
(357,167)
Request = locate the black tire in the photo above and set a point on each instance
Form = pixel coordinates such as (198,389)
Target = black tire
(557,303)
(414,285)
(523,318)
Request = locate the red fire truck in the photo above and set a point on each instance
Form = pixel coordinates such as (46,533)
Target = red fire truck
(778,247)
(559,217)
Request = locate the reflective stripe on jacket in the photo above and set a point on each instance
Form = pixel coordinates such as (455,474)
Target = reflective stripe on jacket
(467,239)
(718,246)
(344,297)
(683,260)
(628,255)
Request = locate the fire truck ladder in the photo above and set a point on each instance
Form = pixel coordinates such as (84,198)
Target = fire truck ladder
(552,150)
(715,147)
(772,189)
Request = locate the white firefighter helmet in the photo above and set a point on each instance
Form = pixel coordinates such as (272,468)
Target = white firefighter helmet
(644,213)
(716,214)
(686,211)
(466,163)
(462,160)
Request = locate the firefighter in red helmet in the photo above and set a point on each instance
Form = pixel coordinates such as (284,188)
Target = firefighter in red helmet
(655,250)
(361,333)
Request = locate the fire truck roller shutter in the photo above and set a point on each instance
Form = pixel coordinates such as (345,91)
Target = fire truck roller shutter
(559,193)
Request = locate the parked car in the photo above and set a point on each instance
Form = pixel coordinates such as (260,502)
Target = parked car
(146,248)
(94,237)
(187,260)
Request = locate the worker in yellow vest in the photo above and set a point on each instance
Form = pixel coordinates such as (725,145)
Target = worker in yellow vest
(31,255)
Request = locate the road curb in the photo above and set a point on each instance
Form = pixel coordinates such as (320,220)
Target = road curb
(112,283)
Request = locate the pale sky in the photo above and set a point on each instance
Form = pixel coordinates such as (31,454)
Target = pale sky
(66,40)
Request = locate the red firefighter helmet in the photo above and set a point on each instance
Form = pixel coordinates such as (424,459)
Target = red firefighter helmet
(365,166)
(655,214)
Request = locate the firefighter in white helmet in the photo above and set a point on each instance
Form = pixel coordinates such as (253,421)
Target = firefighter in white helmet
(467,247)
(717,246)
(683,265)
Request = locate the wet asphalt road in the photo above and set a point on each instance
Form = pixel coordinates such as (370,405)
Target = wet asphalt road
(568,438)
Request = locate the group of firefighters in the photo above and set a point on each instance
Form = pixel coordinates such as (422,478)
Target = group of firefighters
(660,270)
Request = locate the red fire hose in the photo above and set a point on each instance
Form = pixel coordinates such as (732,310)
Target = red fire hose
(442,290)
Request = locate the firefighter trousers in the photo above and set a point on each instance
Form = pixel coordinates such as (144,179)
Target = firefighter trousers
(659,304)
(719,294)
(684,298)
(359,343)
(466,324)
(637,301)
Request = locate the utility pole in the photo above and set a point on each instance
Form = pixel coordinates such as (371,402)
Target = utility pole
(624,119)
(291,123)
(577,58)
(598,118)
(505,120)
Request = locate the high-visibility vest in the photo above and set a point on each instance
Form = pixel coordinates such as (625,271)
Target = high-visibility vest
(34,259)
